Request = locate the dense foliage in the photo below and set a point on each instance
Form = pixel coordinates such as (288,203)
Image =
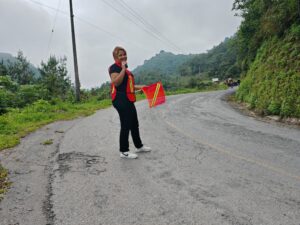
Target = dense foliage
(219,62)
(163,63)
(269,55)
(20,87)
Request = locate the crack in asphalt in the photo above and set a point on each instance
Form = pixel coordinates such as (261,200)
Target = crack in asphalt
(49,169)
(48,204)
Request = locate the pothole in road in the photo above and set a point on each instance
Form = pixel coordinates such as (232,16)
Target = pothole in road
(77,162)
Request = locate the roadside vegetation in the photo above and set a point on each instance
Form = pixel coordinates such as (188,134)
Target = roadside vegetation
(4,183)
(17,123)
(269,56)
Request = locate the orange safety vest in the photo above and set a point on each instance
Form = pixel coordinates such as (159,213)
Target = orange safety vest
(129,87)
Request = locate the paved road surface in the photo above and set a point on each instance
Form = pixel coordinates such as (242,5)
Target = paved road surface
(210,165)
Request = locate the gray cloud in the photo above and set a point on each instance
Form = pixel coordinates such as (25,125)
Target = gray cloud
(194,25)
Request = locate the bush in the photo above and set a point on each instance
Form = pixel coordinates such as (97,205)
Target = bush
(287,108)
(41,106)
(295,31)
(274,108)
(27,94)
(103,95)
(7,99)
(8,84)
(272,84)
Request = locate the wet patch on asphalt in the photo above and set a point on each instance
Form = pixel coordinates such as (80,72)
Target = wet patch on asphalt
(78,162)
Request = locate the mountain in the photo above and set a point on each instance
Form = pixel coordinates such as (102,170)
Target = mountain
(7,58)
(165,63)
(178,71)
(218,62)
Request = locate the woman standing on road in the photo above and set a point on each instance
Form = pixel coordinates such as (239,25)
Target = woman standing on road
(123,98)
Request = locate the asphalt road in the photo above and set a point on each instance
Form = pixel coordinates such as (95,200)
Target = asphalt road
(210,165)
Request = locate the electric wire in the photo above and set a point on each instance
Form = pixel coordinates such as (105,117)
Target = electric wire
(154,32)
(141,27)
(147,24)
(86,21)
(52,30)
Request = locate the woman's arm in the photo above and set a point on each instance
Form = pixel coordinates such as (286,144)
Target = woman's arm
(117,78)
(138,87)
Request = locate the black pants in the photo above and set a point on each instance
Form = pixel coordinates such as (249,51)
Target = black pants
(129,122)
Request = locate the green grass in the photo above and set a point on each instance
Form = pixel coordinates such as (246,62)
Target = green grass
(47,142)
(4,183)
(19,122)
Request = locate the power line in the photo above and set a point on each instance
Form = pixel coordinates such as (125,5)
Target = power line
(137,24)
(52,30)
(83,20)
(49,7)
(149,31)
(127,17)
(107,32)
(147,24)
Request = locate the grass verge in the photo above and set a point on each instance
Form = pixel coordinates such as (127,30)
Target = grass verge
(4,183)
(19,122)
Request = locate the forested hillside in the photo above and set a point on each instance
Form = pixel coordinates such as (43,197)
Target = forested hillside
(219,62)
(190,71)
(269,55)
(163,63)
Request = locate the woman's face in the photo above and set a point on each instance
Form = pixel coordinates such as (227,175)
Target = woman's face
(122,56)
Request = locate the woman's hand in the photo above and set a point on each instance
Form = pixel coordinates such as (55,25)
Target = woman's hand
(123,64)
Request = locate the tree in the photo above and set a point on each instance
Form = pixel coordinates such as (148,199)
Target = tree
(54,77)
(3,69)
(20,71)
(263,19)
(215,63)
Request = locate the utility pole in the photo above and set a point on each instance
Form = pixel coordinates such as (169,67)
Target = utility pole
(77,82)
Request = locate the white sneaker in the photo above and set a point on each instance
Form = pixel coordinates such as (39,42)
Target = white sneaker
(144,149)
(128,155)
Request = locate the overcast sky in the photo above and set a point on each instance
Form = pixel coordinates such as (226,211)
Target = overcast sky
(190,26)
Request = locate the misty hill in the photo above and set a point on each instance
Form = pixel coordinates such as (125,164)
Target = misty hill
(218,62)
(7,58)
(165,63)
